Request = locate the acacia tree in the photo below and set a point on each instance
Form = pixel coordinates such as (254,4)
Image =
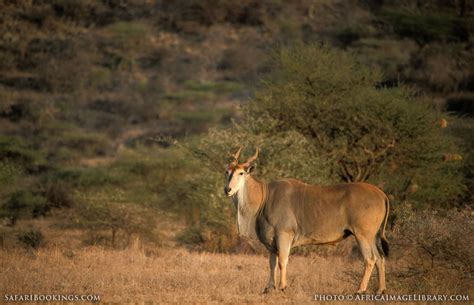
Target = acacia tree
(121,220)
(322,117)
(367,132)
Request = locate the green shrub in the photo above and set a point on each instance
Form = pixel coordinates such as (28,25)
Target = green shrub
(426,27)
(116,220)
(127,32)
(78,11)
(88,177)
(15,149)
(24,204)
(100,78)
(191,236)
(86,143)
(9,175)
(386,136)
(58,194)
(347,36)
(191,15)
(123,42)
(223,87)
(26,200)
(32,238)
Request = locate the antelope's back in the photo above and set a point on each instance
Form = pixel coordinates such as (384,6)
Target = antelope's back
(323,213)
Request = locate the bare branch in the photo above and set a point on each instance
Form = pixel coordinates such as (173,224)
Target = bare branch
(359,171)
(345,172)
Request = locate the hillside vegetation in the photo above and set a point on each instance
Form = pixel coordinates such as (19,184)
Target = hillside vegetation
(118,116)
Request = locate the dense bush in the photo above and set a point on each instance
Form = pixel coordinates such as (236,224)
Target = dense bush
(321,117)
(24,204)
(434,243)
(9,176)
(425,28)
(16,151)
(387,136)
(32,238)
(58,194)
(113,222)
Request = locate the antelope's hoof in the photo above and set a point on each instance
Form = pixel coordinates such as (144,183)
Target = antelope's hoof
(268,289)
(381,291)
(283,289)
(360,292)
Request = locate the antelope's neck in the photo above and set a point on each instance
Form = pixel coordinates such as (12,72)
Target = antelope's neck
(250,200)
(252,195)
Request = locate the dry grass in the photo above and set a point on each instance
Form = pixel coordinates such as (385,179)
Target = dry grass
(145,272)
(176,275)
(163,275)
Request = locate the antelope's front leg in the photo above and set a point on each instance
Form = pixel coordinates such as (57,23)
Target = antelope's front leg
(273,259)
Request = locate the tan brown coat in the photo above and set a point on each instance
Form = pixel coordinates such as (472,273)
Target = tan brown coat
(289,213)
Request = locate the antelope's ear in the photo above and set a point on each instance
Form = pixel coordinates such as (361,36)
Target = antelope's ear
(250,169)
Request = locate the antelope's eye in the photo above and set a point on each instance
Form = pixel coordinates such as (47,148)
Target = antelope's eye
(241,173)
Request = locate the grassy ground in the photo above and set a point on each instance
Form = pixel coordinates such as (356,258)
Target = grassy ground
(432,256)
(139,274)
(168,276)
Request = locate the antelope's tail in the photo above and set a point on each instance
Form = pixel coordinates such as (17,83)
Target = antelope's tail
(383,238)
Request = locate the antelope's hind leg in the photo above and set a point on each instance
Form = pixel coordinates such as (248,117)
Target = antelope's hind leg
(369,261)
(284,247)
(380,264)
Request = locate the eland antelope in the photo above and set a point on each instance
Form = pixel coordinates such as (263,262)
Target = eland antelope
(288,213)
